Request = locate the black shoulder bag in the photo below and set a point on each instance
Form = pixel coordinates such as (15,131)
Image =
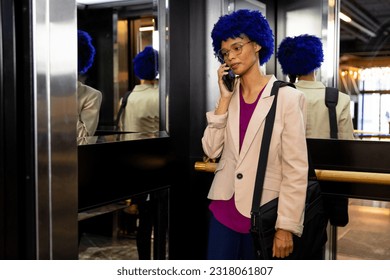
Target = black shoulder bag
(336,207)
(123,106)
(331,100)
(263,219)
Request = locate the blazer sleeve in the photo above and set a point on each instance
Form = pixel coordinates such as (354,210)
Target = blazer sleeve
(293,187)
(214,134)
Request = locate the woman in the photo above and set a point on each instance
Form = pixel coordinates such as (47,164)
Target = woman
(142,113)
(300,58)
(89,99)
(243,41)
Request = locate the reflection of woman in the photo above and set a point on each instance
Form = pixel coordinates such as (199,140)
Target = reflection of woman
(88,98)
(142,113)
(300,57)
(243,41)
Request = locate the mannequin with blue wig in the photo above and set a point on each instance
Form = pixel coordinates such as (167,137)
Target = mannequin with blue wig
(242,42)
(89,99)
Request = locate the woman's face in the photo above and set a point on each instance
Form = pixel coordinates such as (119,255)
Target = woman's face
(240,54)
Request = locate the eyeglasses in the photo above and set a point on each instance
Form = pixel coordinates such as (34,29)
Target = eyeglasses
(236,49)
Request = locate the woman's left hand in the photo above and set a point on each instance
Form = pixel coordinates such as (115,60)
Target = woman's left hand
(283,244)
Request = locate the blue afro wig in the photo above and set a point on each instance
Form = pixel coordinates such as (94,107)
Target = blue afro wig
(300,55)
(86,52)
(146,64)
(244,22)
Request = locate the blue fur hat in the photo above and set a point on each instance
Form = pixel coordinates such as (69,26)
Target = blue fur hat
(146,64)
(300,55)
(245,22)
(86,52)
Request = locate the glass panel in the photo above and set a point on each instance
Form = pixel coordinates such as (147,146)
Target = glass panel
(364,45)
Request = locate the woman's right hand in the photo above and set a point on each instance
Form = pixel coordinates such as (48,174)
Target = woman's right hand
(226,95)
(222,71)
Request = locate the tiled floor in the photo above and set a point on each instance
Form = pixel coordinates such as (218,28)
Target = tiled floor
(366,237)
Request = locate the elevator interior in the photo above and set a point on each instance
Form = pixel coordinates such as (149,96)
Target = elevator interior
(291,12)
(64,181)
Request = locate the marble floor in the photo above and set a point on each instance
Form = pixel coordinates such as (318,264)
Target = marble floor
(366,237)
(97,247)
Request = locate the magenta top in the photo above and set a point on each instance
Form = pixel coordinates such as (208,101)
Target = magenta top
(225,211)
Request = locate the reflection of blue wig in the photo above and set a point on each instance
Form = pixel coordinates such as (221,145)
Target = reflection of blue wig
(300,55)
(146,64)
(245,22)
(86,51)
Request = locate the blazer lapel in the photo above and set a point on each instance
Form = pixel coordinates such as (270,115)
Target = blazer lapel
(256,124)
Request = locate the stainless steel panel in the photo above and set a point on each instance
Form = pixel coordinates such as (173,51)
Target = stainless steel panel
(55,67)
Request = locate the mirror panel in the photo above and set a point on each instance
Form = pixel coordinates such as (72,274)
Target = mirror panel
(119,31)
(356,50)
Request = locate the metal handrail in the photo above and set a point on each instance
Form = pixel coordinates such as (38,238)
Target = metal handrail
(324,175)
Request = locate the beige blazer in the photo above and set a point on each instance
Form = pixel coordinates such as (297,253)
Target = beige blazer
(287,168)
(142,111)
(318,115)
(88,102)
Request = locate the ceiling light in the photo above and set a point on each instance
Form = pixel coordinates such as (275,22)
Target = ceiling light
(91,2)
(344,17)
(357,25)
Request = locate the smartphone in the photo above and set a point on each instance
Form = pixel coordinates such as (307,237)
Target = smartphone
(229,80)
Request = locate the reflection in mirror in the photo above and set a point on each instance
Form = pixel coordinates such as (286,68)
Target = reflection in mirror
(139,109)
(328,114)
(120,30)
(123,136)
(303,57)
(360,37)
(88,98)
(137,229)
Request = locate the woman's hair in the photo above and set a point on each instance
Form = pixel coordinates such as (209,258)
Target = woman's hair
(146,64)
(86,52)
(292,78)
(250,23)
(300,55)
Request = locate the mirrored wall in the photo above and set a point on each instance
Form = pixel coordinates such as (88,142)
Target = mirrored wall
(120,30)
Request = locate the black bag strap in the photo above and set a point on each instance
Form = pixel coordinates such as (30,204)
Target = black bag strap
(263,158)
(123,106)
(256,229)
(331,99)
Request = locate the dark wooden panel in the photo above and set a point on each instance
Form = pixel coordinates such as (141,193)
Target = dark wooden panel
(355,190)
(352,155)
(115,171)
